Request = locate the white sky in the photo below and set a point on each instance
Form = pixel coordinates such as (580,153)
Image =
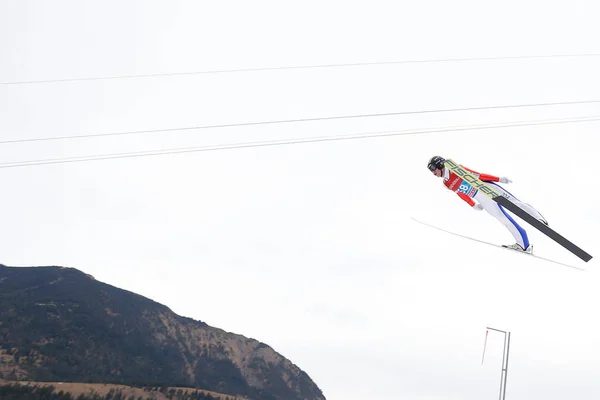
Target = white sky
(310,248)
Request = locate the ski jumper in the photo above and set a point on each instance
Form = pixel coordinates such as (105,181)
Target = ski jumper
(467,192)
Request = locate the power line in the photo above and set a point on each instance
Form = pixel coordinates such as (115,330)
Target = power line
(297,120)
(364,135)
(440,60)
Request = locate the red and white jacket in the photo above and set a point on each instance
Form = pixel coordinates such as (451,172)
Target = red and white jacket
(463,189)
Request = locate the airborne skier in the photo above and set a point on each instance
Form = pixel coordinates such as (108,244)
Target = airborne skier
(467,192)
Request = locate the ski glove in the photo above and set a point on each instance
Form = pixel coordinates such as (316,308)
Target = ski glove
(478,207)
(505,180)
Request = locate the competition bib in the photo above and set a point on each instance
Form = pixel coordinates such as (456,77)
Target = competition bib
(467,189)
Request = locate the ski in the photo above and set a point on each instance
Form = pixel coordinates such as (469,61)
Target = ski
(496,245)
(506,203)
(545,229)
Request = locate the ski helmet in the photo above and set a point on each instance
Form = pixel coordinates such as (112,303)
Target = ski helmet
(436,162)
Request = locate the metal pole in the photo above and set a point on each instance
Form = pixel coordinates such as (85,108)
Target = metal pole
(506,367)
(504,371)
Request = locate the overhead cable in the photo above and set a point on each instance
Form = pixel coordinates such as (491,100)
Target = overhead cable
(355,136)
(218,126)
(358,64)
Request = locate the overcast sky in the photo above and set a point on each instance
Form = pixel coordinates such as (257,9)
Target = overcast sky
(310,247)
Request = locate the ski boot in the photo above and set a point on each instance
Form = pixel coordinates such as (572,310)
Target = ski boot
(518,247)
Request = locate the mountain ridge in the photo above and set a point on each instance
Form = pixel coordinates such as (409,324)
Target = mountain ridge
(60,324)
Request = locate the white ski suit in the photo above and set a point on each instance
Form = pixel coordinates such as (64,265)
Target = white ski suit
(467,192)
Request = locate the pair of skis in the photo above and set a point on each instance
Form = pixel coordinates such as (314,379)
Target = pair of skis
(506,203)
(496,245)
